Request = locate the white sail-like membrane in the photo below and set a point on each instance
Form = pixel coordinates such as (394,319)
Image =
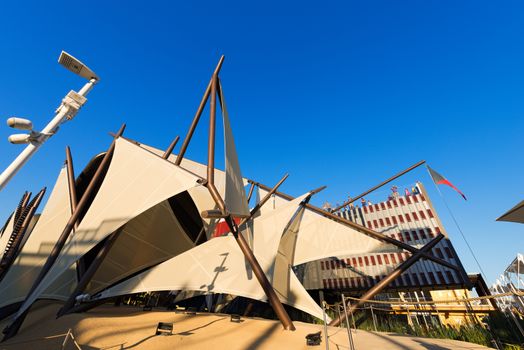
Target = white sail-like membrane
(316,237)
(235,196)
(135,181)
(22,274)
(153,237)
(218,266)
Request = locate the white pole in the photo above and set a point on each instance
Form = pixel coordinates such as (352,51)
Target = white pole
(65,112)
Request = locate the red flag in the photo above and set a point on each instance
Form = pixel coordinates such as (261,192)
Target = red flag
(441,180)
(222,228)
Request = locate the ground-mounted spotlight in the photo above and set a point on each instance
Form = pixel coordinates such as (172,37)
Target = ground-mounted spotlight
(67,110)
(314,339)
(164,328)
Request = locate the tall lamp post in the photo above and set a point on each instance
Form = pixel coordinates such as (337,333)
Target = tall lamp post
(67,110)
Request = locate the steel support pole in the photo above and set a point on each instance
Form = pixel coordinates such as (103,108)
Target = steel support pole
(378,186)
(377,235)
(169,149)
(323,303)
(88,275)
(211,148)
(71,180)
(198,113)
(272,297)
(12,329)
(348,327)
(250,193)
(244,247)
(63,114)
(377,288)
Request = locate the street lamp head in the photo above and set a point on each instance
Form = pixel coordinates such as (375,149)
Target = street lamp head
(74,65)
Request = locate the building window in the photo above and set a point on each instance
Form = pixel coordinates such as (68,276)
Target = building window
(415,236)
(372,258)
(439,253)
(408,200)
(375,223)
(389,204)
(448,252)
(394,218)
(422,215)
(422,233)
(423,278)
(388,222)
(381,222)
(382,206)
(401,201)
(386,259)
(408,219)
(379,260)
(393,260)
(430,214)
(415,217)
(401,219)
(366,260)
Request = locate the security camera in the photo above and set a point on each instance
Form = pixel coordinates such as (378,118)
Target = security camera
(20,123)
(19,139)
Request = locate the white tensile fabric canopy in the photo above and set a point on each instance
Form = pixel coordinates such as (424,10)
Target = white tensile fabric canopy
(148,239)
(135,181)
(21,275)
(218,266)
(315,237)
(235,196)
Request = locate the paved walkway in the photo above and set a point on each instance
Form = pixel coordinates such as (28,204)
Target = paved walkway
(112,328)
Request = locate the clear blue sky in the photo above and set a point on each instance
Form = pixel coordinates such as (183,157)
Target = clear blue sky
(340,94)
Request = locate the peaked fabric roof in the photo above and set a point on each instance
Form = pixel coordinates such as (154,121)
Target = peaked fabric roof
(135,181)
(25,269)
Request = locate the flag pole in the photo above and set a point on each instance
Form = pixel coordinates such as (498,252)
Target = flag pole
(455,220)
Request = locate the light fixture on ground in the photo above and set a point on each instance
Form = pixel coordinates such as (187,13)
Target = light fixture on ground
(67,110)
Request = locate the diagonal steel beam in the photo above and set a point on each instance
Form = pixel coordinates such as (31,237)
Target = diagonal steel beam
(171,147)
(378,186)
(377,288)
(198,113)
(88,275)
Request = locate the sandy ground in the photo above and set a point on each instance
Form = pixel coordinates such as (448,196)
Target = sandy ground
(116,328)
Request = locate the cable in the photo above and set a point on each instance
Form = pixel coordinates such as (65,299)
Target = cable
(456,224)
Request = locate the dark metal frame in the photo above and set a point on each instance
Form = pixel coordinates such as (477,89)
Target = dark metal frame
(377,288)
(211,94)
